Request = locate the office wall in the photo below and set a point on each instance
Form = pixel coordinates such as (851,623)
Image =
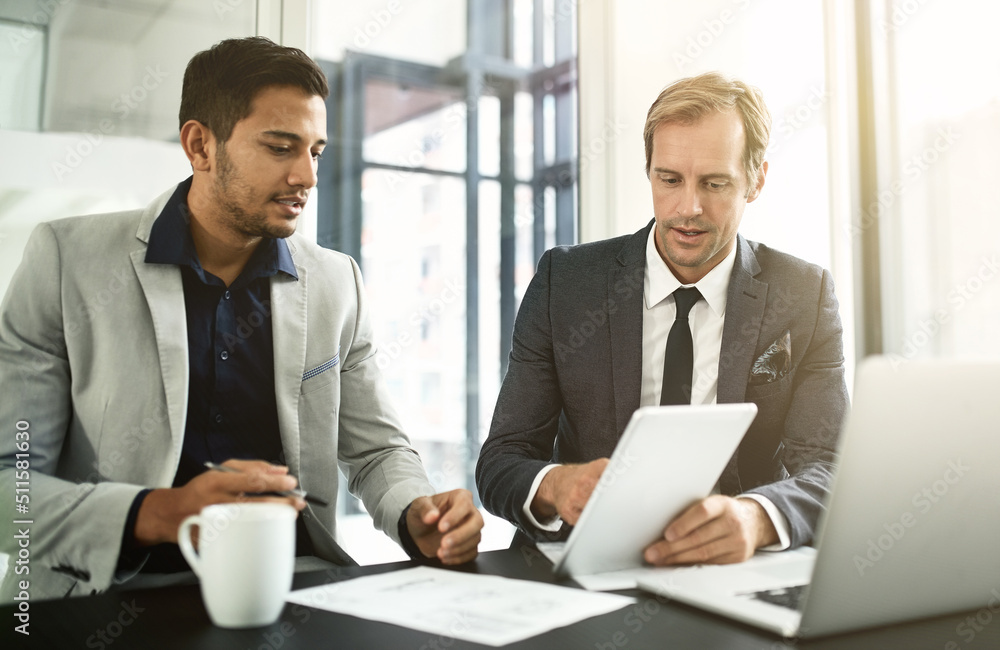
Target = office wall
(125,61)
(35,188)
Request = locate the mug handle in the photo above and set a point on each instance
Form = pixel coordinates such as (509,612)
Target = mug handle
(184,541)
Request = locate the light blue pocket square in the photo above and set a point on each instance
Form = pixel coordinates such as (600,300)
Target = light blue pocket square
(323,367)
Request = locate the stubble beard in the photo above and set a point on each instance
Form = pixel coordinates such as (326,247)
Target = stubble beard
(229,188)
(677,257)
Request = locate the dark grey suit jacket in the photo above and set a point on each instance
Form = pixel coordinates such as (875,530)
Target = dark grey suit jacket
(574,377)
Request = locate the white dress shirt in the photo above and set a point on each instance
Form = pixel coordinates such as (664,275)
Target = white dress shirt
(706,318)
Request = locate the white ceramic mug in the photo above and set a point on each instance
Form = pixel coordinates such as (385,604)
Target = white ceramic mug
(245,560)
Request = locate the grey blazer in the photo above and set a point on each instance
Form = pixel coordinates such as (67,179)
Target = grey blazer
(575,375)
(93,355)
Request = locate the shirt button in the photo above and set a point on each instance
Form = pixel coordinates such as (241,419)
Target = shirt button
(224,355)
(227,295)
(218,419)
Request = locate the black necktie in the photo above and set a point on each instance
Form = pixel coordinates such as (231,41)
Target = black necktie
(678,362)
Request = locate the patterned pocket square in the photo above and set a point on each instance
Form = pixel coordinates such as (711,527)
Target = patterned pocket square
(775,363)
(323,367)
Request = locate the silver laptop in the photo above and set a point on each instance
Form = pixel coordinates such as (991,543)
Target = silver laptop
(667,458)
(913,525)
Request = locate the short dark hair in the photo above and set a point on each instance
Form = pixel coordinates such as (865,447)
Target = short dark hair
(220,83)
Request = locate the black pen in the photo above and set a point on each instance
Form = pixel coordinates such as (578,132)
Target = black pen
(281,493)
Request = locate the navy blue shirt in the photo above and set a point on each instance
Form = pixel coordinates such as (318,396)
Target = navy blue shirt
(232,412)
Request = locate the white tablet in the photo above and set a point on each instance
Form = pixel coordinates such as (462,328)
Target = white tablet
(668,458)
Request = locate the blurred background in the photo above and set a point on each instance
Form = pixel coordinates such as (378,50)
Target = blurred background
(468,136)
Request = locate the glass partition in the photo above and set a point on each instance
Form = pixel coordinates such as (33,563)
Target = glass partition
(89,94)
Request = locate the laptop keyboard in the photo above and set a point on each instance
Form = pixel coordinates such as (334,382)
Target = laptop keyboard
(790,597)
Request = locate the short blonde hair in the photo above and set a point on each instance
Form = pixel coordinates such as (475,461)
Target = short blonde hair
(687,100)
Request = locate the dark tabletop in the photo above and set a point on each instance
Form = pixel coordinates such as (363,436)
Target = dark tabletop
(174,617)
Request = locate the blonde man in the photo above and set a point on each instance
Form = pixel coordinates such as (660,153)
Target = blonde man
(761,326)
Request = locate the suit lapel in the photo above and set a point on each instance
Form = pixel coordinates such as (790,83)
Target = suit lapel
(288,324)
(164,291)
(744,310)
(625,288)
(745,301)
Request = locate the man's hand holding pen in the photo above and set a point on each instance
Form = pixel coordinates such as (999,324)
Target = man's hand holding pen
(295,492)
(163,510)
(446,525)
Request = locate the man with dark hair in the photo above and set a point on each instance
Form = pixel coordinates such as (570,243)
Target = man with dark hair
(220,83)
(141,345)
(684,311)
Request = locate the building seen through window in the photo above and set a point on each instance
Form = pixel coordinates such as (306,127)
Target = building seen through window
(452,167)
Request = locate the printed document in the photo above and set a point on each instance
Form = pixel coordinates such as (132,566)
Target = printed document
(485,609)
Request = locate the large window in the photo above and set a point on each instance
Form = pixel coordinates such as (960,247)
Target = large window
(882,158)
(452,168)
(936,208)
(631,50)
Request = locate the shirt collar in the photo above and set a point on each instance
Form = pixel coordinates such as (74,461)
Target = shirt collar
(660,282)
(170,242)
